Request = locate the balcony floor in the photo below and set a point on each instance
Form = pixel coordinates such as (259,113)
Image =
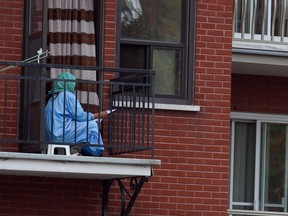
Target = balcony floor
(27,164)
(259,58)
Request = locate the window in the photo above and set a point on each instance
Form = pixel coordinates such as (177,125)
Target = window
(259,163)
(37,34)
(158,35)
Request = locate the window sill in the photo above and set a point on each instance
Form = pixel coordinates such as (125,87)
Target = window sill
(158,106)
(254,213)
(191,108)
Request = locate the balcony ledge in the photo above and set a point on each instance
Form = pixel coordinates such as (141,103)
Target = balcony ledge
(257,46)
(256,58)
(27,164)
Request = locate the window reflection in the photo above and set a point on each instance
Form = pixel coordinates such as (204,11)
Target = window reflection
(244,160)
(167,64)
(259,166)
(274,162)
(151,20)
(36,16)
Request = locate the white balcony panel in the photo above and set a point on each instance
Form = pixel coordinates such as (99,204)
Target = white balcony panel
(258,58)
(62,166)
(258,45)
(260,37)
(254,213)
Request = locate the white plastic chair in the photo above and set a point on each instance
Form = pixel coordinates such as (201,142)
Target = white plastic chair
(51,149)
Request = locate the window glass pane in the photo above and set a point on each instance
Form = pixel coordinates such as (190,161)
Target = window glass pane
(133,56)
(239,207)
(167,64)
(36,16)
(151,19)
(244,162)
(274,160)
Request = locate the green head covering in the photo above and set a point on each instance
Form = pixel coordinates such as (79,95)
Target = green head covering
(58,85)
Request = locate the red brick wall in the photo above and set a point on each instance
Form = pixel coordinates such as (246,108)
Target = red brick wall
(36,196)
(110,33)
(11,12)
(262,94)
(193,146)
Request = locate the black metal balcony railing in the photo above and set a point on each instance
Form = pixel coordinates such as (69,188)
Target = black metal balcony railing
(130,91)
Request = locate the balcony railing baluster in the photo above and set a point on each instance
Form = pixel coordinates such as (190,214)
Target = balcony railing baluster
(283,20)
(261,20)
(244,13)
(235,16)
(254,20)
(125,131)
(273,20)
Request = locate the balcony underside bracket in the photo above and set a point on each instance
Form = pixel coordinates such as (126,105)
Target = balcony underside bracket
(135,186)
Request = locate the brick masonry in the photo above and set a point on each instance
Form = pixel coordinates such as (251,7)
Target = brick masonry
(193,146)
(262,94)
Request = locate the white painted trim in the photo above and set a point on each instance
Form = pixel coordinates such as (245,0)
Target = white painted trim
(193,108)
(259,116)
(242,204)
(285,198)
(231,173)
(74,166)
(255,213)
(260,45)
(159,106)
(258,184)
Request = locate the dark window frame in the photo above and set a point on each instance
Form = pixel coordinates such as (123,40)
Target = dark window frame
(188,51)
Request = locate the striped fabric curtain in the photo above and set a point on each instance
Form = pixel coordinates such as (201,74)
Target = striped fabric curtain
(71,40)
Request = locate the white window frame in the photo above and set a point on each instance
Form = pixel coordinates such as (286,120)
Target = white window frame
(258,119)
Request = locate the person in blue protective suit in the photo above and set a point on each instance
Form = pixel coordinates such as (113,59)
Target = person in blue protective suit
(67,122)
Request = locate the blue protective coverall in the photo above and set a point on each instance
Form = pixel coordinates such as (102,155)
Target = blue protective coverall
(66,121)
